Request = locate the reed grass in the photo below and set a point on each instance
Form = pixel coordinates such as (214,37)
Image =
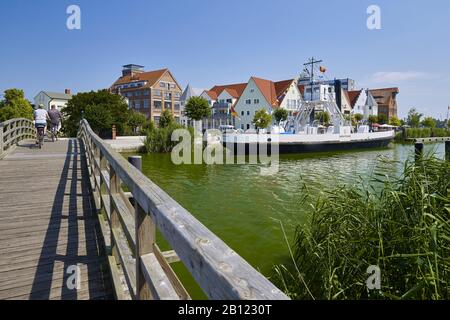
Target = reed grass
(402,226)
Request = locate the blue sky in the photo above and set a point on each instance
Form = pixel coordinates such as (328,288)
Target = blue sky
(208,42)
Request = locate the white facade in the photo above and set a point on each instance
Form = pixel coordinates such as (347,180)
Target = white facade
(250,101)
(292,99)
(48,99)
(366,105)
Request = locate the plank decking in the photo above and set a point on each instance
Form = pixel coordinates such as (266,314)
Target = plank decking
(47,225)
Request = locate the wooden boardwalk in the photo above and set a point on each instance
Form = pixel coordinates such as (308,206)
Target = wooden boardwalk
(48,226)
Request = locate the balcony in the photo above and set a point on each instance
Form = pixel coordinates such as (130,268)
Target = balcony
(222,106)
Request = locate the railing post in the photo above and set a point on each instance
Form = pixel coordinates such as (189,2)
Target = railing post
(145,231)
(114,222)
(1,138)
(418,149)
(447,150)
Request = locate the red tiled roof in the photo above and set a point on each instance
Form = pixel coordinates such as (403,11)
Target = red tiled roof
(353,96)
(151,77)
(281,87)
(267,88)
(234,89)
(302,90)
(211,94)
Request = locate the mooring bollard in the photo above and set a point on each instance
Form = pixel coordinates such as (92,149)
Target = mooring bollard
(447,150)
(418,147)
(113,132)
(136,161)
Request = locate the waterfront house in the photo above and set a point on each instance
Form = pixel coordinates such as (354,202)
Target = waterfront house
(48,99)
(386,99)
(265,94)
(149,92)
(363,102)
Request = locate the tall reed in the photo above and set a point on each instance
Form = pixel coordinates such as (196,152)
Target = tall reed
(402,226)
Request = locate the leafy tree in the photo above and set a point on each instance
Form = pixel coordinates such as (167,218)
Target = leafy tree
(395,121)
(323,117)
(448,123)
(166,119)
(262,119)
(372,119)
(15,105)
(413,118)
(280,114)
(358,117)
(429,122)
(382,118)
(197,108)
(136,120)
(97,107)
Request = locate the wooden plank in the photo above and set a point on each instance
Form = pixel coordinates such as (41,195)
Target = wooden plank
(155,277)
(126,259)
(120,293)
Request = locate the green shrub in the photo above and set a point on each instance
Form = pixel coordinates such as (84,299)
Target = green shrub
(160,139)
(403,227)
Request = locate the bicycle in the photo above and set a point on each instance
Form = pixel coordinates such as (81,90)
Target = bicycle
(40,128)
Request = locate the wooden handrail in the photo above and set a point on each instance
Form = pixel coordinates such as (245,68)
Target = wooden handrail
(218,270)
(13,131)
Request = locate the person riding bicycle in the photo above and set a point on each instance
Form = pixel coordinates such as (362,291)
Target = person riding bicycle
(55,119)
(40,119)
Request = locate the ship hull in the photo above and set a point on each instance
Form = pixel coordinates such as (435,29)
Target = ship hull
(305,146)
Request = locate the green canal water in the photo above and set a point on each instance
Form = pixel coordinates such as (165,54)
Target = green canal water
(249,211)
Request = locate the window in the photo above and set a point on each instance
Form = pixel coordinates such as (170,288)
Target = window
(146,103)
(167,96)
(242,113)
(137,93)
(248,101)
(167,105)
(157,93)
(146,92)
(172,86)
(137,104)
(229,101)
(329,90)
(242,126)
(157,104)
(248,126)
(162,85)
(156,119)
(222,101)
(176,106)
(248,113)
(256,101)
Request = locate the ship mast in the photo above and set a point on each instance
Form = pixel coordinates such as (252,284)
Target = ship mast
(311,62)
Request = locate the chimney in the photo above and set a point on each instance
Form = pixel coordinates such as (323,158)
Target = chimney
(67,91)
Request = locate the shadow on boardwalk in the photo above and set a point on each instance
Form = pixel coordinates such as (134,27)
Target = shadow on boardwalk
(71,245)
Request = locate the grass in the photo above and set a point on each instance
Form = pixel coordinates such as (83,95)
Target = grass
(402,226)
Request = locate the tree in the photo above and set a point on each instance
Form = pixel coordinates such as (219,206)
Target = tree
(166,119)
(413,118)
(136,120)
(382,118)
(448,123)
(429,122)
(97,107)
(15,105)
(197,108)
(323,117)
(280,114)
(395,121)
(262,119)
(358,117)
(372,119)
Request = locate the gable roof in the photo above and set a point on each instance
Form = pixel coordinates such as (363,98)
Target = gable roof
(371,100)
(57,95)
(353,96)
(267,89)
(234,90)
(210,94)
(151,77)
(282,86)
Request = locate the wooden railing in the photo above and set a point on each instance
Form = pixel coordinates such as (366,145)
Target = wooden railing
(138,267)
(13,131)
